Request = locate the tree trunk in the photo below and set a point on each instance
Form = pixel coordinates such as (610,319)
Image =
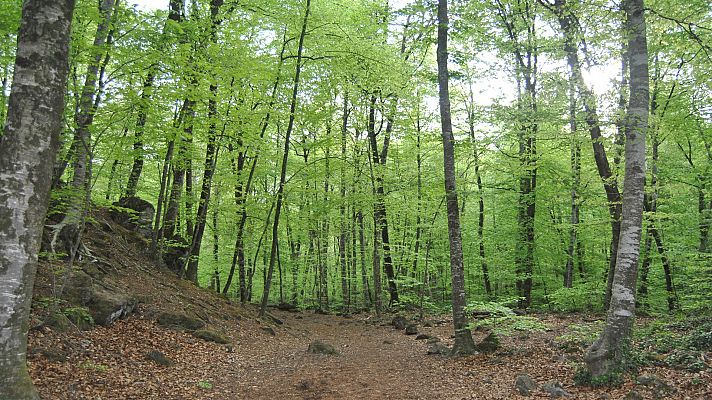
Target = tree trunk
(463,337)
(608,353)
(28,148)
(285,157)
(345,295)
(174,14)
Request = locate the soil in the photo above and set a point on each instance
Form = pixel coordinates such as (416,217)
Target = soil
(136,358)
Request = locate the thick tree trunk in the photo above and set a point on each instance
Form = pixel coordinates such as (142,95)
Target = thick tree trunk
(285,157)
(608,353)
(463,337)
(28,148)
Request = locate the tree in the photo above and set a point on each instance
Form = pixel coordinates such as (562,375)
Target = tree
(27,149)
(608,353)
(463,338)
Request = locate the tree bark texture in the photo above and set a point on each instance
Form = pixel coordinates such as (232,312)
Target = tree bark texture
(464,343)
(608,353)
(28,148)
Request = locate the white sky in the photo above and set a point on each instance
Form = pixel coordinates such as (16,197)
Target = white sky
(150,4)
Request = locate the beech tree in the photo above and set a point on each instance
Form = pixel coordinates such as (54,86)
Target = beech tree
(611,349)
(463,337)
(28,146)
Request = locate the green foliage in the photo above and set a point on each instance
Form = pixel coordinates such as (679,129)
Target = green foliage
(79,316)
(583,377)
(502,319)
(679,344)
(582,297)
(580,336)
(90,364)
(204,384)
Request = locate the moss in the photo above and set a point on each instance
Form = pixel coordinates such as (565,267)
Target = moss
(211,336)
(180,321)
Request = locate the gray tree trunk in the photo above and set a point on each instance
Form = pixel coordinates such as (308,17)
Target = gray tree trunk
(463,337)
(28,148)
(608,353)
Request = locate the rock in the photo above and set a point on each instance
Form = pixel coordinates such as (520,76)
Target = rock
(657,385)
(489,344)
(79,288)
(179,321)
(555,389)
(211,336)
(107,306)
(387,342)
(633,395)
(134,213)
(422,336)
(428,324)
(411,329)
(269,329)
(439,349)
(274,319)
(525,384)
(52,354)
(58,322)
(159,358)
(399,322)
(287,307)
(174,253)
(319,347)
(432,340)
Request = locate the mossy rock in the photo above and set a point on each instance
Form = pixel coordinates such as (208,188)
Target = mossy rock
(180,321)
(107,306)
(211,336)
(490,344)
(58,322)
(159,358)
(319,347)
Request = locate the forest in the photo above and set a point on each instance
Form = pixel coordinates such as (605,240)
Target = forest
(482,161)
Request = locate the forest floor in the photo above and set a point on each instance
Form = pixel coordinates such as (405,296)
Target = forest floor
(269,358)
(374,361)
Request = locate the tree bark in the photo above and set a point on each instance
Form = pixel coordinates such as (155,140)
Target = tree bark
(463,337)
(608,353)
(28,148)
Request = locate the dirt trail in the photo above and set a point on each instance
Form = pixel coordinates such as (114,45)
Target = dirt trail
(376,361)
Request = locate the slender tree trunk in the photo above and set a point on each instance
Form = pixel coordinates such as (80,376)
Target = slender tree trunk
(28,148)
(608,353)
(174,14)
(285,157)
(610,184)
(345,295)
(463,337)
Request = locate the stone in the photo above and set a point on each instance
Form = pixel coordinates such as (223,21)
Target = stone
(657,385)
(79,288)
(319,347)
(555,390)
(525,384)
(106,306)
(411,329)
(633,395)
(422,336)
(58,322)
(180,321)
(489,344)
(432,340)
(269,329)
(159,358)
(52,354)
(438,349)
(211,336)
(135,214)
(399,322)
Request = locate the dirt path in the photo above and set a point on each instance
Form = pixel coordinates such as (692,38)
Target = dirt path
(376,361)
